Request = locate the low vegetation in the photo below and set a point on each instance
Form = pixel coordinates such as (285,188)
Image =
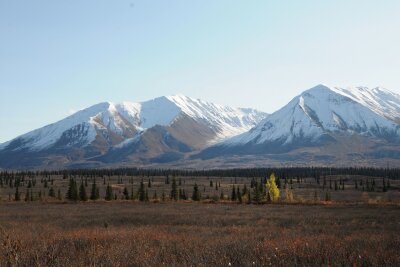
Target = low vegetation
(156,218)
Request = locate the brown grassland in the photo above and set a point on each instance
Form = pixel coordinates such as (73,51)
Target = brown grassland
(125,233)
(356,228)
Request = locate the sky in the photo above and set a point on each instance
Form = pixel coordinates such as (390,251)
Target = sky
(57,57)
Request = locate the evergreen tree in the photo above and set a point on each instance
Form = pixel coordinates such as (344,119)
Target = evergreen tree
(109,193)
(174,190)
(72,193)
(51,192)
(142,192)
(82,192)
(126,193)
(327,196)
(17,194)
(27,197)
(239,195)
(233,194)
(149,184)
(59,197)
(94,192)
(196,193)
(257,193)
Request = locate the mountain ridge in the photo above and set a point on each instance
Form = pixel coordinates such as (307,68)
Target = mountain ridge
(322,125)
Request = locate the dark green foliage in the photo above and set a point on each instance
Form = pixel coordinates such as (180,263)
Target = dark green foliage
(109,193)
(72,193)
(126,193)
(94,192)
(233,194)
(196,193)
(82,192)
(258,192)
(174,190)
(327,196)
(239,195)
(17,196)
(27,197)
(52,193)
(142,192)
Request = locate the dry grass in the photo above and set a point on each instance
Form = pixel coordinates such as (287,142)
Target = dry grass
(177,234)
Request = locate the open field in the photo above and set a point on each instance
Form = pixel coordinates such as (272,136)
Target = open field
(123,233)
(339,188)
(141,224)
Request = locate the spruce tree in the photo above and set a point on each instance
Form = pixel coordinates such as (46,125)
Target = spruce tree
(196,193)
(17,194)
(233,194)
(141,192)
(109,193)
(72,193)
(239,195)
(51,192)
(94,192)
(174,190)
(82,192)
(256,193)
(27,197)
(126,193)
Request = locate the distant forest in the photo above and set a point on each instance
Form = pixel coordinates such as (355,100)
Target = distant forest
(303,172)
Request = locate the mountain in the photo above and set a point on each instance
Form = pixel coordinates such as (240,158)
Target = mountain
(162,129)
(354,126)
(327,124)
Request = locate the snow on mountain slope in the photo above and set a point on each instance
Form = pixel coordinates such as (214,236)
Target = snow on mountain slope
(126,119)
(316,112)
(227,121)
(380,100)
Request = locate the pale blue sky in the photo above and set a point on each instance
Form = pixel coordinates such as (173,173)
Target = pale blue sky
(59,56)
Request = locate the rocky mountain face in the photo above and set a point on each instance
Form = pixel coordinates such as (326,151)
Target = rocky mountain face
(323,124)
(160,130)
(328,126)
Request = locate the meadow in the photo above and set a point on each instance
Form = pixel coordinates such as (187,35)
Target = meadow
(357,226)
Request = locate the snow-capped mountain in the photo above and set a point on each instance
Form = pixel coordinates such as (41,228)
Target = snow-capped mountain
(321,126)
(380,100)
(114,126)
(319,116)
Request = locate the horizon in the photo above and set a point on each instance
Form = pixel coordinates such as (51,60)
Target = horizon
(58,57)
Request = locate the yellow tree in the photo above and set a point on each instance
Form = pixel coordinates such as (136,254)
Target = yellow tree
(273,189)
